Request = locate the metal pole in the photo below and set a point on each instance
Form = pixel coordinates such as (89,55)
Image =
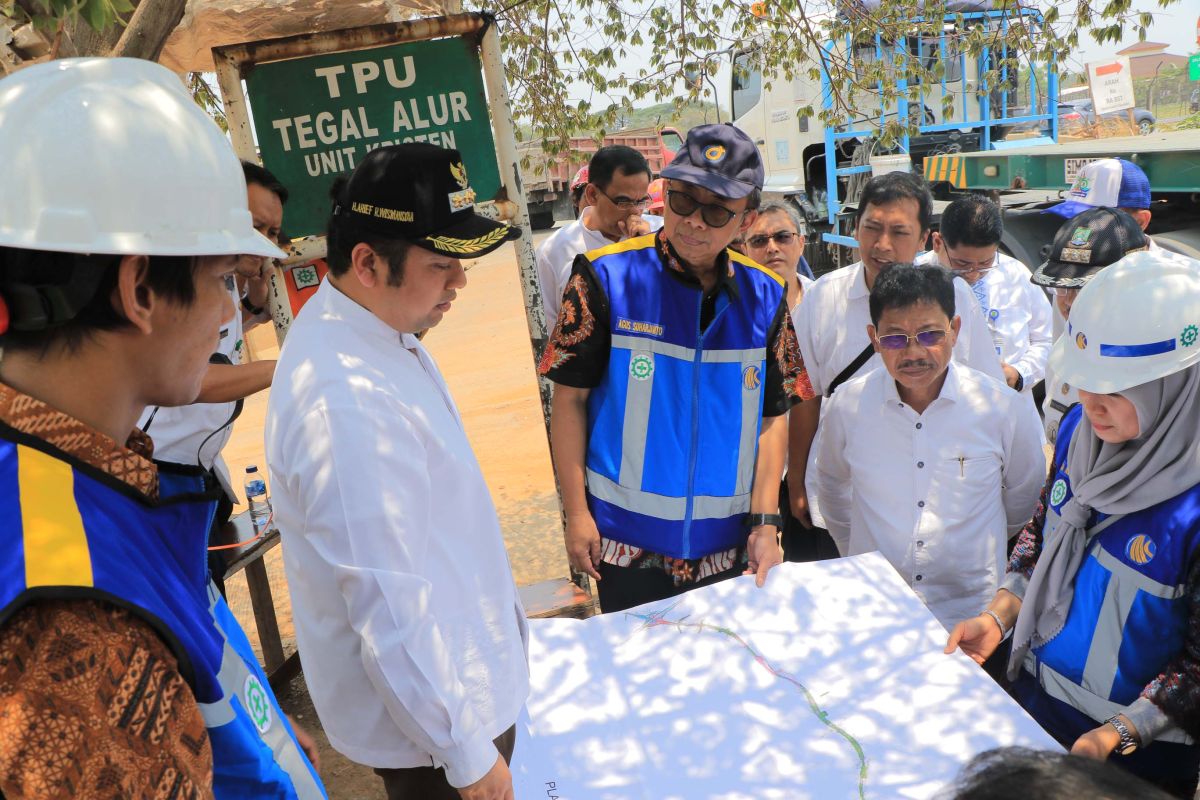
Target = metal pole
(510,182)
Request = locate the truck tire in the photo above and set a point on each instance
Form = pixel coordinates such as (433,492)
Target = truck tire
(541,219)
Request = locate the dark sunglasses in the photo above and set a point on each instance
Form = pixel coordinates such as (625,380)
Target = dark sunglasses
(899,341)
(685,205)
(783,238)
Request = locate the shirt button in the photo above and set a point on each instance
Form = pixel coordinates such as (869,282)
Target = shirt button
(918,426)
(919,577)
(920,465)
(920,504)
(920,543)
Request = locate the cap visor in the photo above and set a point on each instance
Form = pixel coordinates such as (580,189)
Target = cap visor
(473,237)
(1068,208)
(717,184)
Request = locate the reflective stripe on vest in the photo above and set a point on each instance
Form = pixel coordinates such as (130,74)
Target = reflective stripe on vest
(72,531)
(673,426)
(1123,625)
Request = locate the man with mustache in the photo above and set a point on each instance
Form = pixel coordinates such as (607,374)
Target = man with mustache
(930,462)
(403,599)
(675,363)
(892,223)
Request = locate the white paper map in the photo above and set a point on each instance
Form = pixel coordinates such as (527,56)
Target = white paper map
(829,682)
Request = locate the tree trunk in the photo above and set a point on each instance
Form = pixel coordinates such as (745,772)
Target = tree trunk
(143,36)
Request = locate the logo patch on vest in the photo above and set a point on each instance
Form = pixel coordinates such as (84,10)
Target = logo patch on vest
(641,367)
(258,704)
(1140,549)
(751,379)
(635,326)
(1058,492)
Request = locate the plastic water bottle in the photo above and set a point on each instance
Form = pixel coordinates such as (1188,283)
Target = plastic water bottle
(256,498)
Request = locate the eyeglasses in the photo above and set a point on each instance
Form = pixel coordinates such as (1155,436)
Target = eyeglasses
(781,238)
(1065,291)
(899,341)
(982,267)
(626,203)
(685,205)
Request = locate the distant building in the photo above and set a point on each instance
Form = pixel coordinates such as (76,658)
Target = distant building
(1146,59)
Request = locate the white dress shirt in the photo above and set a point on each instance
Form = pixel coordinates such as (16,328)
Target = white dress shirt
(196,434)
(557,254)
(406,614)
(831,326)
(1018,315)
(937,493)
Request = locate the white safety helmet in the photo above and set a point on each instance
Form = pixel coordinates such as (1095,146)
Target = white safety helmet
(1138,320)
(112,156)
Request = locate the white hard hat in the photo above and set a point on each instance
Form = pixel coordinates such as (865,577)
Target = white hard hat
(112,156)
(1136,321)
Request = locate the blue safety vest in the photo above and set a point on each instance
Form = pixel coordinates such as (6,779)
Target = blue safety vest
(71,531)
(1128,615)
(673,426)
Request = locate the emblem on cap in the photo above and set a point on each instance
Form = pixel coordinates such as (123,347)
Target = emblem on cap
(714,153)
(1081,341)
(1080,237)
(459,171)
(1188,337)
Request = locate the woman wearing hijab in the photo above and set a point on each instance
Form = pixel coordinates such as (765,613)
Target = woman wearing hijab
(1102,595)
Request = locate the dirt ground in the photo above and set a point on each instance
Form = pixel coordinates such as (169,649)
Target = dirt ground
(482,347)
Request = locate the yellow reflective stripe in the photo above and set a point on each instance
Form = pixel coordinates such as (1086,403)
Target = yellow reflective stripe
(738,258)
(636,243)
(56,547)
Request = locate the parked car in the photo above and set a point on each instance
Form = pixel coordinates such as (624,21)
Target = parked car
(1079,112)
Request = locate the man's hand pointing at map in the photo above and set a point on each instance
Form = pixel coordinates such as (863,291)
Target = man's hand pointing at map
(762,552)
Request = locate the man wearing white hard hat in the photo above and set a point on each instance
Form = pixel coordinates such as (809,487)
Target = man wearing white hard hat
(1102,595)
(122,671)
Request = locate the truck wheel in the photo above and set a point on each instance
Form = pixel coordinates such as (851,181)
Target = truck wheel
(541,220)
(1145,127)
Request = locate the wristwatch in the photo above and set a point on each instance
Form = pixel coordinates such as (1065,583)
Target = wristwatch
(253,309)
(754,520)
(1129,741)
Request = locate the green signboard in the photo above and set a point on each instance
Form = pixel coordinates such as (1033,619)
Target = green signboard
(1194,67)
(316,117)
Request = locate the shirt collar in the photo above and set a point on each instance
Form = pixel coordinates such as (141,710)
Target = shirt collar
(858,281)
(949,393)
(671,260)
(341,306)
(129,463)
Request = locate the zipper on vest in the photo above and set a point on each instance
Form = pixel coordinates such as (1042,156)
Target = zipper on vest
(697,363)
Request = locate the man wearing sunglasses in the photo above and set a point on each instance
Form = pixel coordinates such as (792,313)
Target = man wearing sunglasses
(1018,313)
(892,222)
(676,363)
(616,193)
(930,462)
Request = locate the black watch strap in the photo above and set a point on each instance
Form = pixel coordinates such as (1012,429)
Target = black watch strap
(246,304)
(754,520)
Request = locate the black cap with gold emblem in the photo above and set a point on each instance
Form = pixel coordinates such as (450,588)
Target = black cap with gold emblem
(1086,244)
(419,192)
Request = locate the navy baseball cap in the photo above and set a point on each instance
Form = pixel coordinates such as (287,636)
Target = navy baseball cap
(720,158)
(1110,183)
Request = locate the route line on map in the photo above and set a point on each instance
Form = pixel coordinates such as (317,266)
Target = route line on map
(658,619)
